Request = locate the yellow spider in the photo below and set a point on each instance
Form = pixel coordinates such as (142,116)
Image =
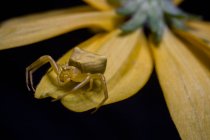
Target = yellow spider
(83,67)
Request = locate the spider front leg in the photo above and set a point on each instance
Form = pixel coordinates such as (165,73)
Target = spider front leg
(36,65)
(80,85)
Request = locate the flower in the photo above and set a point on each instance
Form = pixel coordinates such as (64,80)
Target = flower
(177,46)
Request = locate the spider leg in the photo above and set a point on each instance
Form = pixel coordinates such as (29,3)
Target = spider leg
(91,84)
(90,79)
(80,85)
(31,81)
(36,65)
(104,86)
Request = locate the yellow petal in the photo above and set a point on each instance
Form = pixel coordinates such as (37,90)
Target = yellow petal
(198,34)
(34,28)
(186,86)
(50,14)
(128,69)
(135,75)
(99,4)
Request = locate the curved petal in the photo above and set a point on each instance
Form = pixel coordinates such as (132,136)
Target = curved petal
(99,4)
(34,28)
(128,69)
(186,87)
(135,75)
(198,34)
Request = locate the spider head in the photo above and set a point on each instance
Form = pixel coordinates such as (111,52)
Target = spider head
(68,73)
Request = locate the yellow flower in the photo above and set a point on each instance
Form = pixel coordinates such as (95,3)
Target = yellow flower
(180,57)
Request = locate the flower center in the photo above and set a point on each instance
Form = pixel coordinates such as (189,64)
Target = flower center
(154,15)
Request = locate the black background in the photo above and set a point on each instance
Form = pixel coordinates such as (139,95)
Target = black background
(141,117)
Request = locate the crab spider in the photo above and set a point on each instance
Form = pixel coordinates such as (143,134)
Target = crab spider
(83,67)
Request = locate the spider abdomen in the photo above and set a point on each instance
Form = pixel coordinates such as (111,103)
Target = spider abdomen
(87,62)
